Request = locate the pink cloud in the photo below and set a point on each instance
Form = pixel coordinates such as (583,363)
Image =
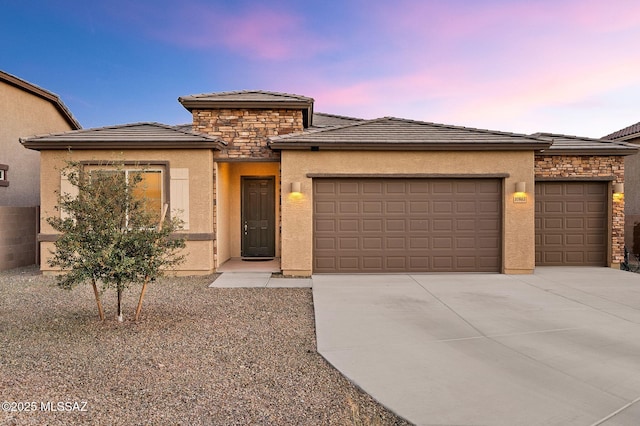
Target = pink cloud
(257,32)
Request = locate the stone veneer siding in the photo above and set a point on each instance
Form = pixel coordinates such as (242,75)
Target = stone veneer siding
(246,130)
(564,166)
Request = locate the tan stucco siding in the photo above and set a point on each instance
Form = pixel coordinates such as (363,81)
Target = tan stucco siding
(200,165)
(229,193)
(24,114)
(297,209)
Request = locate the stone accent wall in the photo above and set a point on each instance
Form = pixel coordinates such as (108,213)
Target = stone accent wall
(17,236)
(246,131)
(564,166)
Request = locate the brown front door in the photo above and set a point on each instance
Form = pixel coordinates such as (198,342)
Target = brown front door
(258,216)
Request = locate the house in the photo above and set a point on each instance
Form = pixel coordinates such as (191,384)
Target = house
(631,134)
(25,109)
(261,175)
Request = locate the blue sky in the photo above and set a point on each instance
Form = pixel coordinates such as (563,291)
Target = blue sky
(566,66)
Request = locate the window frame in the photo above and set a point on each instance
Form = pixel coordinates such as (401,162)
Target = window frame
(137,166)
(4,178)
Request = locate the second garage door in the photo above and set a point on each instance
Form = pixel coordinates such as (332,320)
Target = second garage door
(407,225)
(571,223)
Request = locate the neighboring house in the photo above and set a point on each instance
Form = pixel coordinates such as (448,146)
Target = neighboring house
(631,134)
(260,175)
(25,109)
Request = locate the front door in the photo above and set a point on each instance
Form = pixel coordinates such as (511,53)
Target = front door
(258,216)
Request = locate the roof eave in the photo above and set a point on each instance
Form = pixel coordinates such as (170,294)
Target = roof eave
(599,152)
(191,104)
(37,145)
(410,146)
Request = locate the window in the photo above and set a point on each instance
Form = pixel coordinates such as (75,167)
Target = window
(4,181)
(150,187)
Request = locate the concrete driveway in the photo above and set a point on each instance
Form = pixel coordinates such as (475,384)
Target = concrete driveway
(560,347)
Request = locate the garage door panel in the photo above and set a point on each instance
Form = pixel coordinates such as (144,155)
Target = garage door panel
(465,207)
(348,225)
(553,207)
(571,223)
(407,225)
(372,188)
(372,207)
(395,207)
(416,225)
(418,207)
(488,225)
(325,207)
(442,225)
(372,262)
(418,243)
(371,243)
(348,188)
(442,207)
(395,243)
(348,243)
(348,207)
(372,225)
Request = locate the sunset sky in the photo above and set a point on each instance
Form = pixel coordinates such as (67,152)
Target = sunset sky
(564,66)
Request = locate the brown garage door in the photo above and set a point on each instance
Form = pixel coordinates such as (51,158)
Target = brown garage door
(407,225)
(571,223)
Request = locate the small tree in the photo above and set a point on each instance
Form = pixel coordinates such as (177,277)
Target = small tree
(110,234)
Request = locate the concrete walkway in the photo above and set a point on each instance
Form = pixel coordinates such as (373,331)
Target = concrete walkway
(257,279)
(560,347)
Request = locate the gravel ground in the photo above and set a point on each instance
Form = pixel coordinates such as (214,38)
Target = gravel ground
(197,356)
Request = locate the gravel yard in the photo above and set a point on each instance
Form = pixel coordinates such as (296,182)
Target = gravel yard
(197,356)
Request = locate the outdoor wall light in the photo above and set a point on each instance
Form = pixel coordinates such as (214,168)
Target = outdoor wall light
(520,195)
(618,188)
(295,187)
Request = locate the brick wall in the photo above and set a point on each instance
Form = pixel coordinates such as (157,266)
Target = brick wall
(564,166)
(17,236)
(246,131)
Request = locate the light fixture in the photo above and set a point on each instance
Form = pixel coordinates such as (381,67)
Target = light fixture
(295,187)
(618,188)
(520,195)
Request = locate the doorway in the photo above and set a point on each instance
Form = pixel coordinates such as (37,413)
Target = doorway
(258,217)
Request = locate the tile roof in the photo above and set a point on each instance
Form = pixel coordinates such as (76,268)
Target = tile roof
(630,132)
(44,94)
(124,136)
(573,145)
(245,99)
(390,133)
(331,120)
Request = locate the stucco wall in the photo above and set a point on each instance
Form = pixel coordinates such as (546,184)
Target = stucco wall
(200,165)
(590,167)
(297,209)
(23,114)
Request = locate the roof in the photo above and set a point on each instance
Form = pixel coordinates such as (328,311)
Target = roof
(250,99)
(41,93)
(124,136)
(390,133)
(576,145)
(630,132)
(244,99)
(331,120)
